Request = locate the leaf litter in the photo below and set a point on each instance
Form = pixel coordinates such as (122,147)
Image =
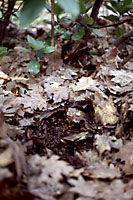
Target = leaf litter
(67,132)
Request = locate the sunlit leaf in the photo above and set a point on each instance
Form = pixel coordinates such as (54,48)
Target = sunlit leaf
(34,67)
(4,51)
(49,49)
(35,44)
(22,48)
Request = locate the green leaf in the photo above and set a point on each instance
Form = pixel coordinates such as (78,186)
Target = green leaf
(66,35)
(47,21)
(111,8)
(59,30)
(96,31)
(30,11)
(126,8)
(70,6)
(4,51)
(22,48)
(40,53)
(119,31)
(117,6)
(127,2)
(79,34)
(49,49)
(89,20)
(35,44)
(57,9)
(34,67)
(82,7)
(112,18)
(93,52)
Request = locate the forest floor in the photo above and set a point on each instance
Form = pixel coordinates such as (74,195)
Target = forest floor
(67,132)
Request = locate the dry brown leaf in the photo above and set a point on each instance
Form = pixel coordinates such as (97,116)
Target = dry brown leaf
(6,157)
(126,154)
(82,187)
(104,171)
(105,111)
(47,184)
(105,143)
(84,83)
(110,56)
(62,93)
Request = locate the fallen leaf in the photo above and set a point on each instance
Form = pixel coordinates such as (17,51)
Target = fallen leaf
(105,143)
(83,187)
(126,154)
(105,111)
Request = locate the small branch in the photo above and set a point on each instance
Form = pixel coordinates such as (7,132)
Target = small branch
(122,38)
(116,24)
(126,60)
(52,23)
(95,9)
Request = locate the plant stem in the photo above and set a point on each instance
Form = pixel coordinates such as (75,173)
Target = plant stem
(52,23)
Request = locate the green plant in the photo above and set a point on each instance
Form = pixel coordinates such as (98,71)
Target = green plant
(119,8)
(4,51)
(40,49)
(31,9)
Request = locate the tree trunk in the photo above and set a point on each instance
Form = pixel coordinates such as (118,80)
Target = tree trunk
(5,22)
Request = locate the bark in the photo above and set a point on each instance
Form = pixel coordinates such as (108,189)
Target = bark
(122,38)
(95,9)
(5,22)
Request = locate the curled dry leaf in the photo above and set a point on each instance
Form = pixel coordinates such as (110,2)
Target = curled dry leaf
(84,83)
(105,111)
(6,157)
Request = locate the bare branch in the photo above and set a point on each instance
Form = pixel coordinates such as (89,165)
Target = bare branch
(126,60)
(122,38)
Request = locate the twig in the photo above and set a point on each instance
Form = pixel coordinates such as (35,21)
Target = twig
(52,23)
(126,60)
(116,24)
(122,38)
